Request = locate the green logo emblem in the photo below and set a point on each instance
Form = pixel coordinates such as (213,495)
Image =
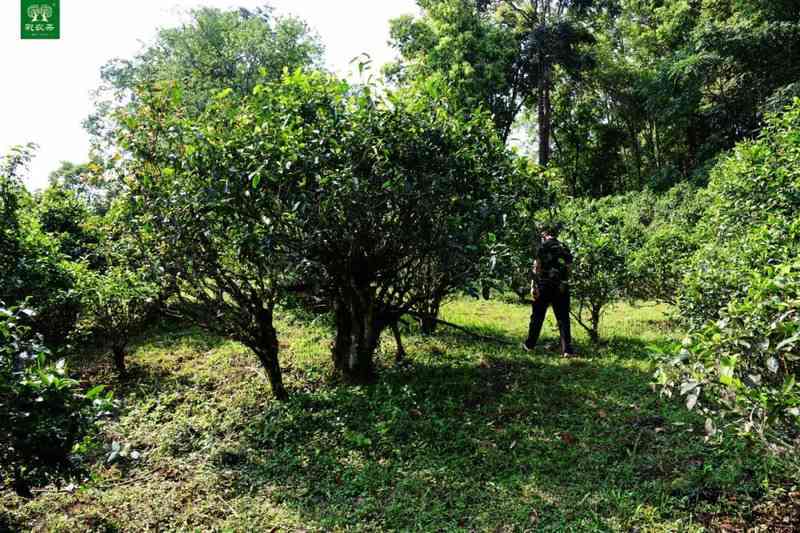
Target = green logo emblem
(40,19)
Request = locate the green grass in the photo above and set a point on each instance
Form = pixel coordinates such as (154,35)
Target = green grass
(468,436)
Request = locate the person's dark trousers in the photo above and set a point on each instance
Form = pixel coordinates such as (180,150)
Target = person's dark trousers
(559,298)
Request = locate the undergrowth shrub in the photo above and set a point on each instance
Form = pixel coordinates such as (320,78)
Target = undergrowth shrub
(33,267)
(658,263)
(115,305)
(741,293)
(600,234)
(43,413)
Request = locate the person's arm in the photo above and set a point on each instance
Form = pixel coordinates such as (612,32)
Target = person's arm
(570,260)
(537,269)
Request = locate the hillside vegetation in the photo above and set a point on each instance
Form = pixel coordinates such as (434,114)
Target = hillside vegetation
(271,298)
(467,435)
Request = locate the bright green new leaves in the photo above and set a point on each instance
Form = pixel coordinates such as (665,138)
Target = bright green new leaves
(668,241)
(464,53)
(215,51)
(501,56)
(65,216)
(751,219)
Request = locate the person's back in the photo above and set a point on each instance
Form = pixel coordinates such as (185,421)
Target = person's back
(554,260)
(550,287)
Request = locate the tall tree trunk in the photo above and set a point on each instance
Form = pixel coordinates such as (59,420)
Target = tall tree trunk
(656,148)
(358,330)
(544,116)
(266,349)
(637,153)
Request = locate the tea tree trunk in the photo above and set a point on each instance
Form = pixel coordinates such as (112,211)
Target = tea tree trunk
(119,359)
(265,346)
(358,330)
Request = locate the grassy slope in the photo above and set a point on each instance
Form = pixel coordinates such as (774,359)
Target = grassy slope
(468,436)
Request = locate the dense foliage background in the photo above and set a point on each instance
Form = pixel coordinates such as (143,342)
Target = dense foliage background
(236,186)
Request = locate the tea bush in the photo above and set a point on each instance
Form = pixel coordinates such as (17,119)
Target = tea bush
(740,294)
(43,413)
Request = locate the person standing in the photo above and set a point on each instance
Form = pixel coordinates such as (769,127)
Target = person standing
(550,286)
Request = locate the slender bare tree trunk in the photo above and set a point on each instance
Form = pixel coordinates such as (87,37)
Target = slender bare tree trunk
(594,334)
(119,359)
(637,152)
(544,97)
(545,112)
(401,352)
(266,348)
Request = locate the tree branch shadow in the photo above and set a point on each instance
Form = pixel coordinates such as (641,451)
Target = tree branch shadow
(419,448)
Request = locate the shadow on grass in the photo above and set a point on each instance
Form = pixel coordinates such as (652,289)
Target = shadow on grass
(630,347)
(616,345)
(469,435)
(95,363)
(456,442)
(9,523)
(447,333)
